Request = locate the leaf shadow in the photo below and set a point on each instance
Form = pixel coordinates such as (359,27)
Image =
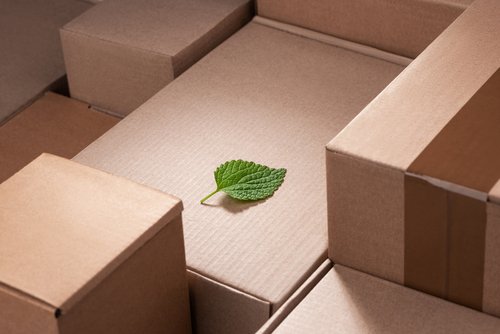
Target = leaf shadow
(233,205)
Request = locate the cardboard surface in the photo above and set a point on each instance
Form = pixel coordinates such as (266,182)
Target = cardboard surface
(121,52)
(348,301)
(404,27)
(263,95)
(218,308)
(296,298)
(424,89)
(53,124)
(416,180)
(95,252)
(30,57)
(467,151)
(491,288)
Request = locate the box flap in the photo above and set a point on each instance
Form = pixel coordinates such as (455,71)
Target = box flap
(467,151)
(401,122)
(66,226)
(164,27)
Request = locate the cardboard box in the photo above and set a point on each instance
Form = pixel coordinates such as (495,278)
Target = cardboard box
(411,181)
(86,252)
(31,60)
(348,301)
(121,52)
(404,27)
(53,124)
(263,95)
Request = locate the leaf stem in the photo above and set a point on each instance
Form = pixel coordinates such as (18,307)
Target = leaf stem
(209,195)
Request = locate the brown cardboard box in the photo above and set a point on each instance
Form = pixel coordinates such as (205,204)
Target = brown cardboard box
(411,181)
(53,124)
(31,60)
(86,252)
(404,27)
(121,52)
(347,301)
(263,95)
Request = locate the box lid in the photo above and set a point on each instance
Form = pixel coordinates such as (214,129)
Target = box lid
(65,227)
(165,27)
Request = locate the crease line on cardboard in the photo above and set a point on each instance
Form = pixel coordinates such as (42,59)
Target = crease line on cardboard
(334,41)
(228,286)
(29,297)
(452,187)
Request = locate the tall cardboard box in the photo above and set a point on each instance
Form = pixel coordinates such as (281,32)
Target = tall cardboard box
(86,252)
(413,180)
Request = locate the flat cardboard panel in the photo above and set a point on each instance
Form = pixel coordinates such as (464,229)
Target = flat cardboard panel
(53,124)
(111,76)
(467,151)
(365,216)
(348,301)
(400,123)
(46,233)
(146,294)
(403,27)
(21,314)
(121,52)
(30,57)
(444,242)
(263,95)
(491,286)
(218,308)
(426,241)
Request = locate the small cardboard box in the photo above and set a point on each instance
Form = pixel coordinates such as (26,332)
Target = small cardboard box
(347,301)
(86,252)
(121,52)
(411,181)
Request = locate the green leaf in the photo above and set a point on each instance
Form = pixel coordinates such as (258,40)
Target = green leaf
(246,180)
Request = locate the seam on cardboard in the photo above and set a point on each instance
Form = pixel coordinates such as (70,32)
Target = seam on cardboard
(296,298)
(228,286)
(334,41)
(135,48)
(366,161)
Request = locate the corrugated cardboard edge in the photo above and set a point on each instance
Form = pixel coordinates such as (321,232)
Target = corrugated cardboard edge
(218,308)
(295,298)
(174,211)
(334,41)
